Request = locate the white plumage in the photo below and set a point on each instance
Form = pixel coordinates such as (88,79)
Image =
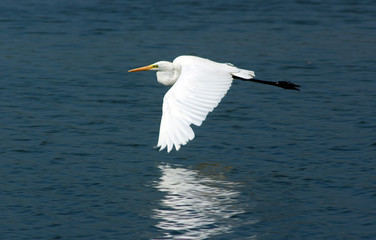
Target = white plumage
(198,86)
(199,89)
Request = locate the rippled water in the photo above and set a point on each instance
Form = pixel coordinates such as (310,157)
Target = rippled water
(77,158)
(196,206)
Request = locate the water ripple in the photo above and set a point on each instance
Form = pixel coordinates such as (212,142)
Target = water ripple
(195,206)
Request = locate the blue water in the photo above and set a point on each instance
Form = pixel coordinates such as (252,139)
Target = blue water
(77,130)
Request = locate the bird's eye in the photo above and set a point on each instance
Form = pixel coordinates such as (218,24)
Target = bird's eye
(155,66)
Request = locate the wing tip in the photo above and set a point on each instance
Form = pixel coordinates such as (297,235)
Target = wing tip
(169,147)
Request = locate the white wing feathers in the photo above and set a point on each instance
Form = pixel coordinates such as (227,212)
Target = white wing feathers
(201,86)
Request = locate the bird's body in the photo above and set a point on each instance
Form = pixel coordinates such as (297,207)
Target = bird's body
(198,85)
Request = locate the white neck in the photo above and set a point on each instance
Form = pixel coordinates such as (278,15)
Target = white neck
(168,73)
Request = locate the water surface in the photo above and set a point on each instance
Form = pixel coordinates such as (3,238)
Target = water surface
(77,158)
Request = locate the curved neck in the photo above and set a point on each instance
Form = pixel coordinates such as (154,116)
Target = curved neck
(169,74)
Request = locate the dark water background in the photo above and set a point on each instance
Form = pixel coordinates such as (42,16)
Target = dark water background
(77,131)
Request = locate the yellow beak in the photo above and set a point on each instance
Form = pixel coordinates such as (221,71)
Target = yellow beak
(142,68)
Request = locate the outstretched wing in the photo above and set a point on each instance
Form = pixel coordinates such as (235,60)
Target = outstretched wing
(201,86)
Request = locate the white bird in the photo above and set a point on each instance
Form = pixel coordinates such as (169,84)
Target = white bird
(198,85)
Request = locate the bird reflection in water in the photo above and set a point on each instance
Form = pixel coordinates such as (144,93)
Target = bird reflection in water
(196,206)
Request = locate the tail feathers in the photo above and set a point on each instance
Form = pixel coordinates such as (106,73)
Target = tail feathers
(244,74)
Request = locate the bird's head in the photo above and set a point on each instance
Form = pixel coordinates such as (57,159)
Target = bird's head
(158,66)
(167,72)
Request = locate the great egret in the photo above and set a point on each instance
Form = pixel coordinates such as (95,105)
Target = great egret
(198,85)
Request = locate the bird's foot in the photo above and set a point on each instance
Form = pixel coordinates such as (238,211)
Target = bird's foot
(287,85)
